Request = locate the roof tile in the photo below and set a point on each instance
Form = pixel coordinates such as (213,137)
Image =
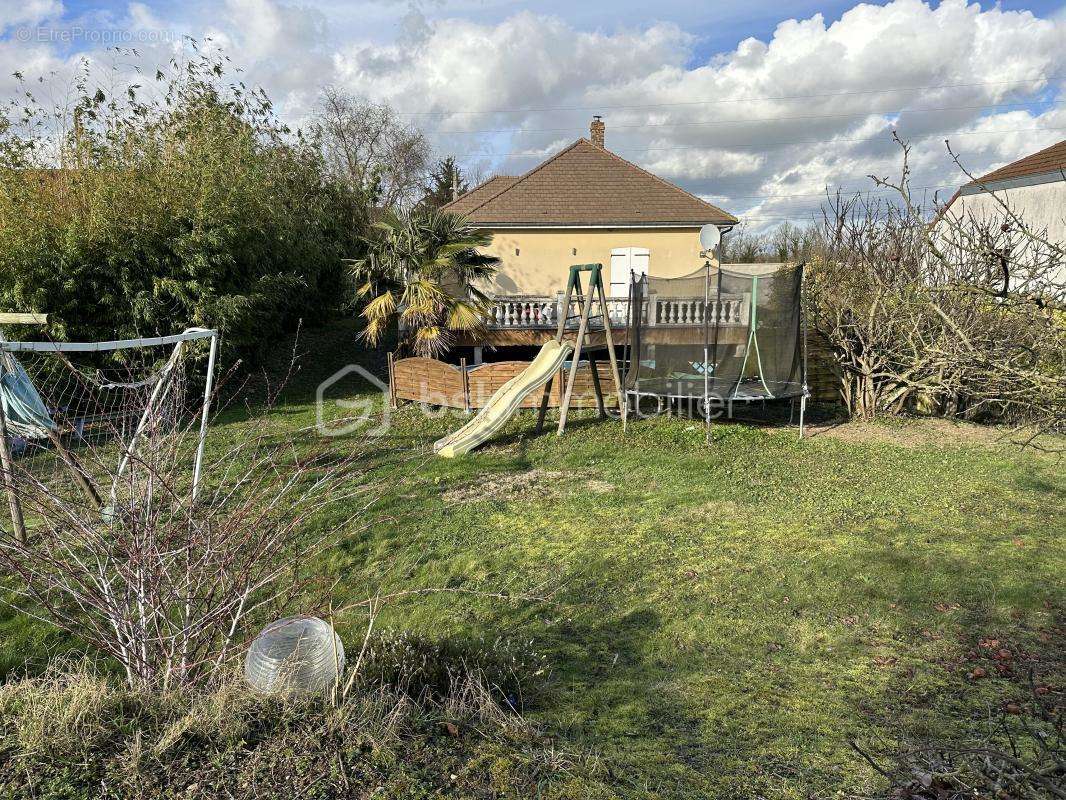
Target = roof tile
(586,185)
(1050,159)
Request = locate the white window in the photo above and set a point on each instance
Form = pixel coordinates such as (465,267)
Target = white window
(626,262)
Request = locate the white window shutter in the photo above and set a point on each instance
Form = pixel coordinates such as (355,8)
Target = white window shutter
(624,262)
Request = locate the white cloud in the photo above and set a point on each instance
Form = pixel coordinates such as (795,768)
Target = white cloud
(812,105)
(526,61)
(28,12)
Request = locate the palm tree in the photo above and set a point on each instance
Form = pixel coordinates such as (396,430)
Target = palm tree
(423,267)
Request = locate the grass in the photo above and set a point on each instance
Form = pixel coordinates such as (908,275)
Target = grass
(75,734)
(722,619)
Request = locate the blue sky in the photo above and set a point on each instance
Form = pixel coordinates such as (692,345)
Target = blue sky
(758,106)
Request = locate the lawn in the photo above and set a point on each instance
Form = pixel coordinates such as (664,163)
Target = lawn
(715,621)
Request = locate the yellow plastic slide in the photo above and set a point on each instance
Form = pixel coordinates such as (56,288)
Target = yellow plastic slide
(502,405)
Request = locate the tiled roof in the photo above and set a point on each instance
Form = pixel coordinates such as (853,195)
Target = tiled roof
(1050,159)
(586,185)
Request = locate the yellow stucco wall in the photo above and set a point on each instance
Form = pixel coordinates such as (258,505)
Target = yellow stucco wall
(543,257)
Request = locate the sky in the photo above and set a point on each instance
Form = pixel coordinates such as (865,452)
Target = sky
(759,107)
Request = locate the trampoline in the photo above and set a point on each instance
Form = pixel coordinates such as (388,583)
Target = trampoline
(717,337)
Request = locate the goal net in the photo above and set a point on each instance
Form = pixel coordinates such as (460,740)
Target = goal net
(86,417)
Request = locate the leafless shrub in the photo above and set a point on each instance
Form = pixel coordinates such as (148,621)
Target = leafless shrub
(162,580)
(787,243)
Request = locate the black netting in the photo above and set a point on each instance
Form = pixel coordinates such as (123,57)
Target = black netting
(717,333)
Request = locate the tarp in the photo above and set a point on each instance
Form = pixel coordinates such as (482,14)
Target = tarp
(24,410)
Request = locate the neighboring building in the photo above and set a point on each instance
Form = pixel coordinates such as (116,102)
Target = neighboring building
(586,205)
(1034,187)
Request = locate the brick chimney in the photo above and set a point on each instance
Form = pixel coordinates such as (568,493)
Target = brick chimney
(596,130)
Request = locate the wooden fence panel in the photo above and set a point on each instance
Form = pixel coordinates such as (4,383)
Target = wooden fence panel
(427,380)
(823,376)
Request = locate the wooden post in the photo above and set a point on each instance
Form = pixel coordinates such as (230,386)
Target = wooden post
(610,345)
(392,380)
(564,310)
(596,388)
(582,327)
(18,523)
(81,477)
(23,319)
(466,385)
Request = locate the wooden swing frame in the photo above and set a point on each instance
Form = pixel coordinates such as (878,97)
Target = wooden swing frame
(585,299)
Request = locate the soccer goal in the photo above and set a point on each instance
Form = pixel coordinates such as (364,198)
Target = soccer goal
(91,411)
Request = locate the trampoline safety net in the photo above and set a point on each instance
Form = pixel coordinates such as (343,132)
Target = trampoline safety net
(730,334)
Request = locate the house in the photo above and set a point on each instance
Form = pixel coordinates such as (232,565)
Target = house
(583,205)
(1034,187)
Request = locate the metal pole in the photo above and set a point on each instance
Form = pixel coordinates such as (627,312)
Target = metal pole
(159,391)
(717,315)
(205,416)
(706,354)
(803,333)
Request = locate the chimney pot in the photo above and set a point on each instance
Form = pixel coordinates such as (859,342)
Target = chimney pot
(597,130)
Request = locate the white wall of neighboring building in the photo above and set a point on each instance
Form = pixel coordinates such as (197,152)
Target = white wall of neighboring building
(1040,206)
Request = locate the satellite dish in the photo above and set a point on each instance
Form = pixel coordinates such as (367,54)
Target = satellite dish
(710,236)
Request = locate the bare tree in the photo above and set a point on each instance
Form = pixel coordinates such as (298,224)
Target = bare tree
(370,146)
(786,243)
(961,314)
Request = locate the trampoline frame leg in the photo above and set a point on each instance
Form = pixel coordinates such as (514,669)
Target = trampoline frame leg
(803,408)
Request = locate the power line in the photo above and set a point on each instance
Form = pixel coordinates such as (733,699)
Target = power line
(841,189)
(749,99)
(738,146)
(743,120)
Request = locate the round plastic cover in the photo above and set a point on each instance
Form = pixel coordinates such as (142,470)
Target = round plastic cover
(294,654)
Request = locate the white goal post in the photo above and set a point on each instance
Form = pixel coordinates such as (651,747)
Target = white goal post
(46,402)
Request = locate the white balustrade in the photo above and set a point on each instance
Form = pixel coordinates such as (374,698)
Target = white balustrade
(530,312)
(694,311)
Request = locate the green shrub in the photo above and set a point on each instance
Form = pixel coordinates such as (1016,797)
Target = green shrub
(123,217)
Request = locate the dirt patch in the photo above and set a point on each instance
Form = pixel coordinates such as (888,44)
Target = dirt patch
(911,433)
(524,485)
